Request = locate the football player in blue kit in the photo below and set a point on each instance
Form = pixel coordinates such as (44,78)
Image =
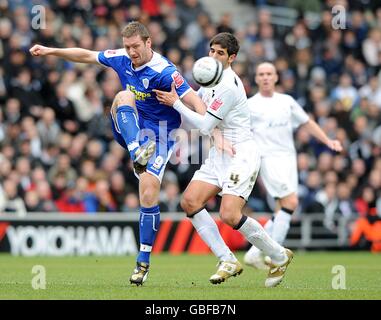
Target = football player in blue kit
(140,123)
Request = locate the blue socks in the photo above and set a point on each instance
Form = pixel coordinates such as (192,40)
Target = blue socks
(128,125)
(148,227)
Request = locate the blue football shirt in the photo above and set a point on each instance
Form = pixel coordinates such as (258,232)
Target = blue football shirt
(159,73)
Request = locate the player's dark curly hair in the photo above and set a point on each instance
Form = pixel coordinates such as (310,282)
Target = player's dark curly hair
(227,41)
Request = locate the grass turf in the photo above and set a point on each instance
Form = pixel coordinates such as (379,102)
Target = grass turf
(185,277)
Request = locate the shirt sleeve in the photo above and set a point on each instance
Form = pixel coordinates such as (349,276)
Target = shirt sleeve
(206,123)
(221,103)
(298,115)
(112,58)
(181,85)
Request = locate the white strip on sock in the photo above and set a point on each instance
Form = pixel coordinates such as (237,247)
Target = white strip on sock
(208,231)
(257,236)
(145,248)
(281,226)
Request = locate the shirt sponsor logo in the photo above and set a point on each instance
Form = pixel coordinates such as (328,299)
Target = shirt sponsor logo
(216,104)
(139,95)
(178,79)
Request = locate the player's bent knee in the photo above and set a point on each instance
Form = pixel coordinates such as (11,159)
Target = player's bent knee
(189,205)
(124,98)
(229,217)
(148,199)
(291,203)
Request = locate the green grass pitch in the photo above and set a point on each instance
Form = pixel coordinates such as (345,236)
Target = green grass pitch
(185,277)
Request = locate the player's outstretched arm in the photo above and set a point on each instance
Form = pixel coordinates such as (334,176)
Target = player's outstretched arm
(206,123)
(72,54)
(190,99)
(314,129)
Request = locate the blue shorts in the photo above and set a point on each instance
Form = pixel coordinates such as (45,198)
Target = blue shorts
(164,145)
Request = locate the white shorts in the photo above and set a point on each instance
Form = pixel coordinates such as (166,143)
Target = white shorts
(234,175)
(279,175)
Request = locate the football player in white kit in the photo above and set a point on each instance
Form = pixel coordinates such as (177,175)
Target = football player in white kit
(274,116)
(233,176)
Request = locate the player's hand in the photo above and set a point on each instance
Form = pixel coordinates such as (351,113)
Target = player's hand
(222,144)
(39,50)
(335,145)
(167,98)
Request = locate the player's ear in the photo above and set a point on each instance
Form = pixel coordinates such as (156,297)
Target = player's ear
(232,58)
(149,43)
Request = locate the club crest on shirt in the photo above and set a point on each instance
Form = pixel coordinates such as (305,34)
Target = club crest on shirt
(178,79)
(216,104)
(145,83)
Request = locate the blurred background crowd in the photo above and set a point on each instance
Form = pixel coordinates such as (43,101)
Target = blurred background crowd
(57,152)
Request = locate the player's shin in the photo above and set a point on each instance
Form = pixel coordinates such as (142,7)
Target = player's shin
(127,124)
(209,233)
(256,235)
(148,227)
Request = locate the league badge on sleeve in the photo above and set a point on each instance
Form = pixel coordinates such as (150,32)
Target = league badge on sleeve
(178,79)
(110,53)
(216,104)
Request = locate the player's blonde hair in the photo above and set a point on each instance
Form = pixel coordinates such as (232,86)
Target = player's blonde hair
(135,28)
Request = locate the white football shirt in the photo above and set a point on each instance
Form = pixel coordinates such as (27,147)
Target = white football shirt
(273,120)
(227,102)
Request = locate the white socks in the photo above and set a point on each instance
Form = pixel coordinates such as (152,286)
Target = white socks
(257,236)
(254,251)
(280,227)
(208,231)
(269,226)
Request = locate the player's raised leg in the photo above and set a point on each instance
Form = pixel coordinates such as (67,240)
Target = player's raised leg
(126,130)
(193,203)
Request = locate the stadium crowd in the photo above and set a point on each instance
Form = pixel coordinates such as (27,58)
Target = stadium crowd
(57,152)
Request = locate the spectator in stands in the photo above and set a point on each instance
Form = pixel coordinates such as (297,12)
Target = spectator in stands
(10,202)
(71,200)
(100,200)
(328,200)
(44,192)
(345,205)
(345,92)
(170,198)
(365,204)
(118,188)
(131,203)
